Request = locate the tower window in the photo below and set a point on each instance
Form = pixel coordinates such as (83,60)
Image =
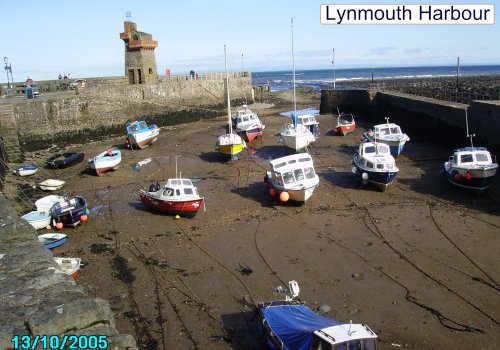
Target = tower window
(150,70)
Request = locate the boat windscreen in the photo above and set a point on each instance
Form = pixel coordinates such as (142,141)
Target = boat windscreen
(288,177)
(370,149)
(395,130)
(383,149)
(305,159)
(466,158)
(482,157)
(143,125)
(309,171)
(298,174)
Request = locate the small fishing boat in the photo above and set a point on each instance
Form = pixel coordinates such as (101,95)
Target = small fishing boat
(471,168)
(291,325)
(390,134)
(178,196)
(38,219)
(51,184)
(69,266)
(248,124)
(46,203)
(69,212)
(65,160)
(52,240)
(26,170)
(107,160)
(345,124)
(310,122)
(373,163)
(229,144)
(292,177)
(141,135)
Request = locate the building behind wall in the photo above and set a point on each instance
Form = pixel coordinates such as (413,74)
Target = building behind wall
(140,61)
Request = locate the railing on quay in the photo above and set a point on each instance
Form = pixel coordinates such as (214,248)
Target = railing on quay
(457,96)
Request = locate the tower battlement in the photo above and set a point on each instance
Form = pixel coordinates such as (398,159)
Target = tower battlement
(140,61)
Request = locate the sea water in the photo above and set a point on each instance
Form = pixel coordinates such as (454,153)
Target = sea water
(346,78)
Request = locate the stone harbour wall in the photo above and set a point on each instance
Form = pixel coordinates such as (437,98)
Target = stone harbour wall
(36,299)
(430,119)
(102,110)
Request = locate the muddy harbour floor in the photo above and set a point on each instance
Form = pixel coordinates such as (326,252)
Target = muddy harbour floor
(418,263)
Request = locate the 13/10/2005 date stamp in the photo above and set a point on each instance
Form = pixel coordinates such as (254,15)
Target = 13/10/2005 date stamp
(59,342)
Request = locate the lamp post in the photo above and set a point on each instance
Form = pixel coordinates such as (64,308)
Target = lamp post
(8,68)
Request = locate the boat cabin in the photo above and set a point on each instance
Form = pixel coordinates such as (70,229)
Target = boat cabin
(309,121)
(293,170)
(246,117)
(344,337)
(376,156)
(387,130)
(179,188)
(136,126)
(471,157)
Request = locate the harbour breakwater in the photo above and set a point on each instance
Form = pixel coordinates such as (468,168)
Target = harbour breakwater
(434,120)
(102,108)
(37,299)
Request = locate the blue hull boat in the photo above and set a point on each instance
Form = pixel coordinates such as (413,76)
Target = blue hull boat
(65,160)
(69,212)
(52,240)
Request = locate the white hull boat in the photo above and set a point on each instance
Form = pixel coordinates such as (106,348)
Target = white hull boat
(38,219)
(51,185)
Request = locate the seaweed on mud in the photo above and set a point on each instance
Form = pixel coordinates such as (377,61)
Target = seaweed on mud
(98,248)
(122,271)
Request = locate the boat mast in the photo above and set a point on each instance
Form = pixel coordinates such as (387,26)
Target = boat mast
(228,98)
(243,71)
(467,128)
(294,95)
(333,64)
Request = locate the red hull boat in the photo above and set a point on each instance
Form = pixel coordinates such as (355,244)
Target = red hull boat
(178,197)
(345,124)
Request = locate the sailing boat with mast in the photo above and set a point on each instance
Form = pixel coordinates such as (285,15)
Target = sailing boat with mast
(229,144)
(471,168)
(294,135)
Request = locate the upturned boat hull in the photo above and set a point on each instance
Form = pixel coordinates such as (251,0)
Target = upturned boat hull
(187,208)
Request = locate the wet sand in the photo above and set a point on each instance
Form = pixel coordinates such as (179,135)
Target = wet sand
(418,263)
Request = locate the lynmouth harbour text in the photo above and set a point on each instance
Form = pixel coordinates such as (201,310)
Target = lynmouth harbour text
(408,14)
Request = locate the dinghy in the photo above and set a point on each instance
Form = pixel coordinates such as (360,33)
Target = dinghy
(52,240)
(107,160)
(26,170)
(38,219)
(46,203)
(292,177)
(373,163)
(65,160)
(69,266)
(289,324)
(69,212)
(141,135)
(51,185)
(345,124)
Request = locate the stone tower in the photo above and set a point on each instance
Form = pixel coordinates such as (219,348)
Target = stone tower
(140,62)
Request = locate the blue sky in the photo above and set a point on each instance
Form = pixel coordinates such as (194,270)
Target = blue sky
(45,38)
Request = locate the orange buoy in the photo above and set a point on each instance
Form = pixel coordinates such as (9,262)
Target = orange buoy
(272,192)
(84,218)
(59,225)
(284,196)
